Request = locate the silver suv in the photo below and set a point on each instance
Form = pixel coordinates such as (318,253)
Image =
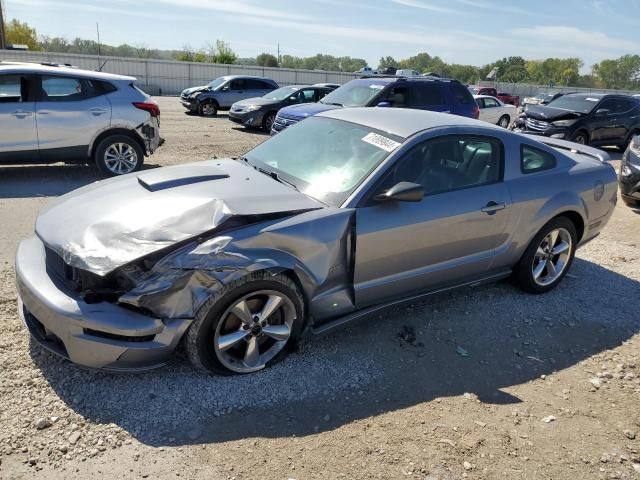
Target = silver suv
(52,114)
(223,92)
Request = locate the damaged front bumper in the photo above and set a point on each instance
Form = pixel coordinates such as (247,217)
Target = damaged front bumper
(95,335)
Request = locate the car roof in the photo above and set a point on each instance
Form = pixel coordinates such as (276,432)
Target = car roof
(588,94)
(484,96)
(403,122)
(35,68)
(233,77)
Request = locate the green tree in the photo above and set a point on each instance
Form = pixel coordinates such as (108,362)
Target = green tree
(386,62)
(221,53)
(19,33)
(266,60)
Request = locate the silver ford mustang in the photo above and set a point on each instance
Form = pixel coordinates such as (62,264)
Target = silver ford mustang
(337,217)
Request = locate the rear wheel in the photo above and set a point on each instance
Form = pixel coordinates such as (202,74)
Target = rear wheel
(247,326)
(118,155)
(548,257)
(504,121)
(581,137)
(208,108)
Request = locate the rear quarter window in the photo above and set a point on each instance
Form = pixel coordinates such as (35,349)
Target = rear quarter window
(533,159)
(461,93)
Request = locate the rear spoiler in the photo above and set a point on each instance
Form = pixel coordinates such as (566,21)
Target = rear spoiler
(572,147)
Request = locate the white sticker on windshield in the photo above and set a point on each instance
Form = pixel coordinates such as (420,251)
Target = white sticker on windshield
(591,99)
(381,142)
(376,87)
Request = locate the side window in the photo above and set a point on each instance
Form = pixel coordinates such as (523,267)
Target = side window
(490,103)
(426,94)
(533,159)
(266,85)
(251,84)
(307,95)
(65,89)
(449,163)
(322,94)
(398,97)
(480,102)
(609,104)
(238,84)
(13,89)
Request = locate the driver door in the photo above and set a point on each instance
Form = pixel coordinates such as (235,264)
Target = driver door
(450,236)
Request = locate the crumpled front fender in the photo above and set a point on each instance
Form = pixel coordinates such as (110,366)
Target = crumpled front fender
(314,246)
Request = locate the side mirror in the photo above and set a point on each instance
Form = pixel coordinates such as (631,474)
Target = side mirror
(385,104)
(601,112)
(402,192)
(225,88)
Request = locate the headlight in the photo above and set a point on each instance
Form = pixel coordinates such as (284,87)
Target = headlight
(634,146)
(625,171)
(252,108)
(564,123)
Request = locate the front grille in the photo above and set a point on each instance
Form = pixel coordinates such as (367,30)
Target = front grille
(537,125)
(79,281)
(280,123)
(58,269)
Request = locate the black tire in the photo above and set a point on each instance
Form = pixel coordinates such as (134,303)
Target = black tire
(267,121)
(629,202)
(581,137)
(107,168)
(523,272)
(199,339)
(504,121)
(208,108)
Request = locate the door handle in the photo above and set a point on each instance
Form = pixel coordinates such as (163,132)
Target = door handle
(492,207)
(97,111)
(21,114)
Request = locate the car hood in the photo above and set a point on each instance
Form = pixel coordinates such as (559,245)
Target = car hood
(256,101)
(305,110)
(108,224)
(189,91)
(541,112)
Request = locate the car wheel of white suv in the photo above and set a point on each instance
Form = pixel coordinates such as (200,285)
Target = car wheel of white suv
(118,155)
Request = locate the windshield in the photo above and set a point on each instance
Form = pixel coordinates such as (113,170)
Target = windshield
(216,83)
(574,103)
(354,94)
(281,93)
(323,157)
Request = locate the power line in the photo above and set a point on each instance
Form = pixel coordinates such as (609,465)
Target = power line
(3,39)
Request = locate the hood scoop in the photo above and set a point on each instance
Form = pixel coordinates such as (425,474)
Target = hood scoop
(163,179)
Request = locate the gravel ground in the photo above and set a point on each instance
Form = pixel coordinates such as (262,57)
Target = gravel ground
(481,383)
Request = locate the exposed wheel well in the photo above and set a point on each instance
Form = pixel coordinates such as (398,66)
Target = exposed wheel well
(116,131)
(582,130)
(295,279)
(577,221)
(209,100)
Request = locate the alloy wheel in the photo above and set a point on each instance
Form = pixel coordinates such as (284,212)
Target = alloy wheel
(268,122)
(253,330)
(552,257)
(120,158)
(209,109)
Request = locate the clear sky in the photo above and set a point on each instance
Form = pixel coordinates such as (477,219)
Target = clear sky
(460,31)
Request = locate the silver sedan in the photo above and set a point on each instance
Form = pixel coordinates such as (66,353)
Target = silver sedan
(334,219)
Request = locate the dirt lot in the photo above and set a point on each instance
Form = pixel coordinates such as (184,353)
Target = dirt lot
(482,383)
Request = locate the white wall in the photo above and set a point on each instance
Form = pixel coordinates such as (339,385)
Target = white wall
(172,76)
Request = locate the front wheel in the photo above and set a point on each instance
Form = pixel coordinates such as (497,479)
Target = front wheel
(548,257)
(208,109)
(267,121)
(246,326)
(118,155)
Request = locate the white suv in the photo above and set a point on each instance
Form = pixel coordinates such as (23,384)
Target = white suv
(60,114)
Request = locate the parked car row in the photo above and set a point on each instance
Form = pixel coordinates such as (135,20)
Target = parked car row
(596,119)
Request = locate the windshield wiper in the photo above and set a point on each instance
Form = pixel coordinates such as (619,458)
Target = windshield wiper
(333,103)
(276,177)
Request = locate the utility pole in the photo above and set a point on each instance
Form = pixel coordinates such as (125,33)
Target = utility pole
(279,59)
(3,38)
